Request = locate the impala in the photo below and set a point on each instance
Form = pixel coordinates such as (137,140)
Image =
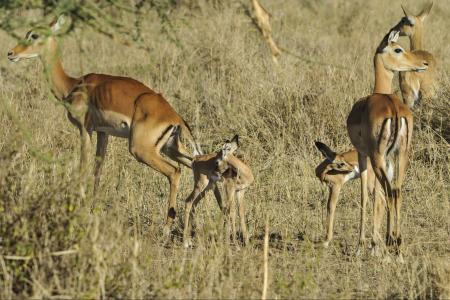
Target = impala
(336,170)
(236,176)
(117,106)
(416,86)
(380,127)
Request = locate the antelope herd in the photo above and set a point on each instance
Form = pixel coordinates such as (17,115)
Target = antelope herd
(379,127)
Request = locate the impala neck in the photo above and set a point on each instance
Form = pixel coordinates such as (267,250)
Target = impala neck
(61,84)
(383,77)
(416,40)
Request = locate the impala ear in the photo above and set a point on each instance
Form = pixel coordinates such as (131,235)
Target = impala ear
(406,11)
(329,154)
(424,13)
(393,36)
(60,24)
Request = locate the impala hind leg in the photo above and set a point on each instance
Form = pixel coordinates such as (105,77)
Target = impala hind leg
(379,206)
(241,204)
(102,144)
(230,192)
(145,146)
(197,194)
(362,160)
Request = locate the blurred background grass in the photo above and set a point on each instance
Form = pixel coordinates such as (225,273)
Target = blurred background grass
(211,63)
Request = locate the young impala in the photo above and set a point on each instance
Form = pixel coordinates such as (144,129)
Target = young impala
(416,86)
(380,127)
(336,170)
(113,105)
(236,176)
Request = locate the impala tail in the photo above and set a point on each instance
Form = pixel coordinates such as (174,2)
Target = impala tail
(186,133)
(394,141)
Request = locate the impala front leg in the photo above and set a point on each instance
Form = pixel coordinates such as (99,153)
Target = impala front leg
(84,155)
(331,208)
(102,144)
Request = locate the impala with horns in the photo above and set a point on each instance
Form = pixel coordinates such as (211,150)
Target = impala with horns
(113,105)
(380,127)
(413,85)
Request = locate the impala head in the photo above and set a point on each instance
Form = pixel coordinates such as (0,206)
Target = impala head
(395,58)
(228,148)
(37,41)
(411,24)
(334,164)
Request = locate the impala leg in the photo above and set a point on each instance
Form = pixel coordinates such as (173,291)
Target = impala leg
(362,161)
(241,204)
(219,200)
(197,194)
(84,156)
(145,146)
(231,193)
(102,144)
(229,209)
(333,197)
(402,165)
(379,206)
(178,152)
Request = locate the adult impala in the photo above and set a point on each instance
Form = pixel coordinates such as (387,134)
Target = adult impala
(380,127)
(413,85)
(117,106)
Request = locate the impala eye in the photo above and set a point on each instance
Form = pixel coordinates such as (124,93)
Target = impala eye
(34,36)
(398,50)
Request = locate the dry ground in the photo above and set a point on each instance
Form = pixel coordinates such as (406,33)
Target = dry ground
(222,81)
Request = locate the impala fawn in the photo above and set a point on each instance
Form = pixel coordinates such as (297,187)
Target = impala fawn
(336,170)
(236,177)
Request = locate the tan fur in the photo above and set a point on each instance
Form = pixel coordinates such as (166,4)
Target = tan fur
(263,23)
(236,177)
(415,86)
(335,172)
(120,106)
(380,127)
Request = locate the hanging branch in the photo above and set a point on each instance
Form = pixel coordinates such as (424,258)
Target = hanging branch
(263,23)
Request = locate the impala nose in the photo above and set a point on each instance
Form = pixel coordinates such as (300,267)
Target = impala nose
(425,63)
(10,53)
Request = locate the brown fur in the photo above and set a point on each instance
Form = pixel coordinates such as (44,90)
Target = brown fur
(236,177)
(416,86)
(380,127)
(120,106)
(335,171)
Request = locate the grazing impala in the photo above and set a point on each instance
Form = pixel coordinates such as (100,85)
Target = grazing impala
(416,86)
(380,127)
(236,176)
(335,170)
(117,106)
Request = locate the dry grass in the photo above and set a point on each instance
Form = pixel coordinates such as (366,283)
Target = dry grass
(223,82)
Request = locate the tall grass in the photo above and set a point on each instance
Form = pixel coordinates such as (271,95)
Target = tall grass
(222,81)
